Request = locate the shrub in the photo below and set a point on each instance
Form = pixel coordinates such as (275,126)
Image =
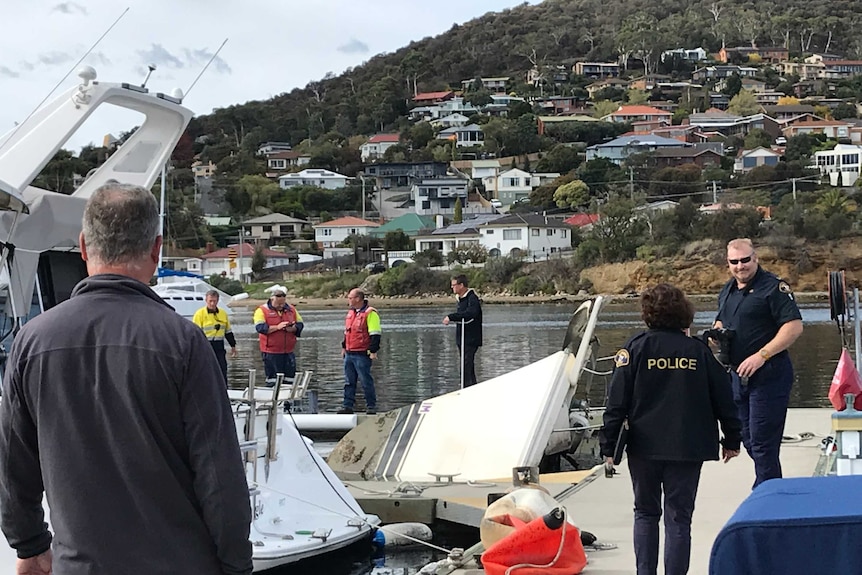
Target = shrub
(227,285)
(499,271)
(412,279)
(428,258)
(525,285)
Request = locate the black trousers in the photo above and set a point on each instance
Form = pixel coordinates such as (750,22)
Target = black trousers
(469,364)
(678,481)
(218,348)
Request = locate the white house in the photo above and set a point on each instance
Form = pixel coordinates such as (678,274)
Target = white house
(274,227)
(514,184)
(464,136)
(747,160)
(844,161)
(482,169)
(281,161)
(434,196)
(313,177)
(377,145)
(267,148)
(446,239)
(454,119)
(234,261)
(333,233)
(526,235)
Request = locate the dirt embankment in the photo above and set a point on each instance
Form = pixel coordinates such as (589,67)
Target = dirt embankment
(702,269)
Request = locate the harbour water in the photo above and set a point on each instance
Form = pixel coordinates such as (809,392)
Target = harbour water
(418,357)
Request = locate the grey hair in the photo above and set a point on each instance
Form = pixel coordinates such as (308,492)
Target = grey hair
(212,293)
(121,223)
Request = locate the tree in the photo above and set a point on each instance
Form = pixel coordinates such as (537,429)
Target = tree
(258,260)
(605,107)
(396,240)
(834,202)
(843,111)
(618,233)
(573,195)
(732,85)
(560,159)
(756,138)
(743,104)
(458,217)
(788,101)
(635,97)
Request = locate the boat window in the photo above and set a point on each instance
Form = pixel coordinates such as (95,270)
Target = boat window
(59,273)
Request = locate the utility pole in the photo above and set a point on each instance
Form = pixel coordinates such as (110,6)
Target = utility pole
(714,192)
(631,183)
(362,179)
(793,181)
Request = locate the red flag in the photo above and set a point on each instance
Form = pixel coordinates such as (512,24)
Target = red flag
(845,380)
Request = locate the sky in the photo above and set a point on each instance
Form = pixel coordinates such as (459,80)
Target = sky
(272,46)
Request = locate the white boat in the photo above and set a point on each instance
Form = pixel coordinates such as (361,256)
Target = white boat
(300,508)
(484,431)
(187,295)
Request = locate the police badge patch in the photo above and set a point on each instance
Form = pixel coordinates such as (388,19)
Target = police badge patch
(622,358)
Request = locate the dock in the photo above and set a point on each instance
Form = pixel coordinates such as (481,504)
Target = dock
(600,505)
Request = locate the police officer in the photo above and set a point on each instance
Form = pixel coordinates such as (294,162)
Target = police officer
(672,391)
(761,311)
(216,326)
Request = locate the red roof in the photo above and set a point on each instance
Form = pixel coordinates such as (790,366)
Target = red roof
(424,96)
(347,222)
(581,220)
(380,138)
(246,251)
(640,111)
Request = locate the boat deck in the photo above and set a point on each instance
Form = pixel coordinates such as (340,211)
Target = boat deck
(604,506)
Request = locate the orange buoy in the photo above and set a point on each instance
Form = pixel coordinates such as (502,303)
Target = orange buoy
(547,545)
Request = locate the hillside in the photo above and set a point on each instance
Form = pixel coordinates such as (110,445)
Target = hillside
(373,97)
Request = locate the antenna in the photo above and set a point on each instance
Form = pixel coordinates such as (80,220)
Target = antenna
(63,79)
(214,56)
(151,68)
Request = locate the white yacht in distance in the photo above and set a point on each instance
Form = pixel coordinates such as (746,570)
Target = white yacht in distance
(300,509)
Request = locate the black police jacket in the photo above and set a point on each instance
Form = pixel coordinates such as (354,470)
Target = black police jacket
(673,392)
(470,311)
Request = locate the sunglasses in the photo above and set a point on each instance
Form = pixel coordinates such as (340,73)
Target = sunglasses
(283,295)
(744,260)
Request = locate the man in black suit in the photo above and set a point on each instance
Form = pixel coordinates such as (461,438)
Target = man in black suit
(467,316)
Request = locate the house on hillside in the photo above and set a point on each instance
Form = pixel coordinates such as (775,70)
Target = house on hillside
(597,69)
(313,177)
(747,160)
(377,145)
(410,224)
(639,114)
(333,233)
(464,136)
(842,164)
(702,157)
(527,235)
(438,195)
(514,184)
(481,169)
(234,261)
(493,85)
(833,129)
(286,160)
(267,148)
(448,238)
(274,228)
(771,54)
(450,121)
(619,149)
(428,98)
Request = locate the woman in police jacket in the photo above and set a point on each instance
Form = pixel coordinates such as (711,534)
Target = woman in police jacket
(672,391)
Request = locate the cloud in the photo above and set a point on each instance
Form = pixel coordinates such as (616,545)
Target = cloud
(69,8)
(4,71)
(99,58)
(158,55)
(200,57)
(353,46)
(26,66)
(54,58)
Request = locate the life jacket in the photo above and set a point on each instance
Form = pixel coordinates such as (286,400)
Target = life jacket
(548,541)
(277,341)
(356,336)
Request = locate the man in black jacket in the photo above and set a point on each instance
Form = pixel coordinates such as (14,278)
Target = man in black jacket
(467,316)
(114,406)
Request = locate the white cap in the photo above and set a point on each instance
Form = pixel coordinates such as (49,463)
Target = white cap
(276,288)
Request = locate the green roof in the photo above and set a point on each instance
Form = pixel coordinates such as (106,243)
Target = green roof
(410,224)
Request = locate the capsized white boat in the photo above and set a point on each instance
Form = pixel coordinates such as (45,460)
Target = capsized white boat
(481,432)
(291,489)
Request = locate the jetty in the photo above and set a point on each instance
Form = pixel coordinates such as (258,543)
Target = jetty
(600,505)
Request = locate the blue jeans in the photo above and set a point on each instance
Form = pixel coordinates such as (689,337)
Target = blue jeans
(762,406)
(274,363)
(678,480)
(357,365)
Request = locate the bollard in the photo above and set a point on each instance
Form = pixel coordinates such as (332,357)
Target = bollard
(847,425)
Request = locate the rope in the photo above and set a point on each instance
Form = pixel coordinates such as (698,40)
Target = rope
(556,558)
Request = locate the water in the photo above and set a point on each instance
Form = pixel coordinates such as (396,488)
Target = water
(418,357)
